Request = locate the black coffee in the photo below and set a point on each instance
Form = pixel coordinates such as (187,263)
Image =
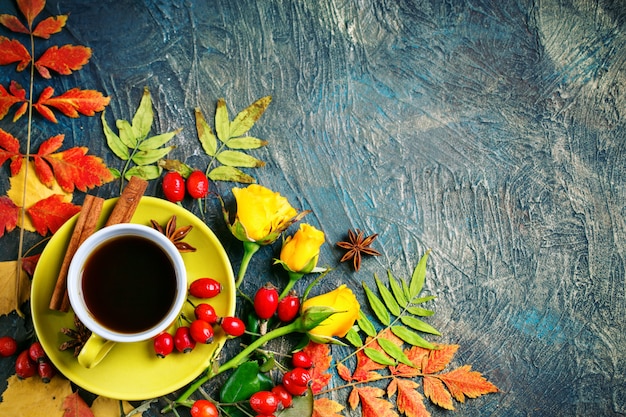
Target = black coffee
(129,284)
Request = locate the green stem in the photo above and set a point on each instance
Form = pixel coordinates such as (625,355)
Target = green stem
(249,249)
(293,278)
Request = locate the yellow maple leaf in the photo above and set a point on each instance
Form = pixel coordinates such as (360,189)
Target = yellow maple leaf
(108,407)
(36,191)
(32,398)
(8,289)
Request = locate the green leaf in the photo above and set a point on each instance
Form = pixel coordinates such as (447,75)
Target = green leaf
(205,134)
(114,142)
(226,173)
(157,141)
(411,337)
(418,311)
(238,159)
(246,142)
(388,298)
(377,306)
(353,337)
(243,382)
(247,117)
(366,325)
(394,351)
(419,325)
(115,172)
(301,406)
(397,290)
(379,357)
(222,123)
(146,172)
(144,116)
(127,135)
(176,165)
(419,276)
(151,156)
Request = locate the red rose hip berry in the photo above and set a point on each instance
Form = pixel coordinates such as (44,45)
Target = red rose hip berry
(36,352)
(232,326)
(201,331)
(25,367)
(288,308)
(205,288)
(197,184)
(204,408)
(163,344)
(46,371)
(283,395)
(183,341)
(264,402)
(266,301)
(174,187)
(8,346)
(301,360)
(206,312)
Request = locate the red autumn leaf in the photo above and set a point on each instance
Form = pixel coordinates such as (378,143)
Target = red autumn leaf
(409,401)
(344,372)
(372,405)
(325,407)
(6,101)
(13,23)
(29,263)
(75,406)
(63,60)
(464,382)
(50,213)
(9,146)
(9,213)
(416,355)
(50,26)
(12,51)
(437,393)
(438,359)
(71,103)
(72,168)
(320,355)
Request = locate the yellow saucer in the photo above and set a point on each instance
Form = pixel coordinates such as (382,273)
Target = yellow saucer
(132,371)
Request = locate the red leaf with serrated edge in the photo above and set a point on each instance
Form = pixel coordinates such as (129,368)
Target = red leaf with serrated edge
(31,9)
(409,401)
(74,101)
(29,263)
(325,407)
(416,355)
(50,213)
(321,358)
(42,167)
(75,406)
(9,213)
(9,146)
(51,144)
(15,94)
(46,112)
(50,26)
(344,372)
(439,358)
(437,393)
(12,51)
(464,382)
(13,23)
(63,60)
(372,405)
(21,111)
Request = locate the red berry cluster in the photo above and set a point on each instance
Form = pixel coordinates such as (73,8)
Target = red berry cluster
(29,362)
(267,303)
(174,185)
(200,329)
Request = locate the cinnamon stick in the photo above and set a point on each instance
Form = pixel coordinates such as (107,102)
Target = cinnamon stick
(128,201)
(85,226)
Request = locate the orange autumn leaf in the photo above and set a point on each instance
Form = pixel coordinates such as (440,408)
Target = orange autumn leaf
(75,406)
(372,403)
(31,398)
(72,103)
(51,213)
(416,355)
(13,23)
(325,407)
(463,382)
(50,26)
(437,392)
(409,401)
(31,9)
(321,358)
(344,372)
(63,60)
(12,51)
(9,146)
(9,214)
(440,358)
(7,99)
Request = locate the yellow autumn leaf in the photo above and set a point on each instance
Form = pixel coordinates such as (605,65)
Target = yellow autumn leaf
(32,398)
(36,191)
(8,290)
(108,407)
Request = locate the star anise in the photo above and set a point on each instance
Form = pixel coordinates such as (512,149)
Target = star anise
(357,246)
(175,235)
(78,336)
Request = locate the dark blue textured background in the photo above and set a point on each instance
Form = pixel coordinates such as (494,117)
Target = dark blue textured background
(490,132)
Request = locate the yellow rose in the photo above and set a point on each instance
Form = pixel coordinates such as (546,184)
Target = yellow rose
(300,251)
(262,214)
(341,300)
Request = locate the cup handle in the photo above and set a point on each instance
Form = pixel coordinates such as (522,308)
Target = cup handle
(94,350)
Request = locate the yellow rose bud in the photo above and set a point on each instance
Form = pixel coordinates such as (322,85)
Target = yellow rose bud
(341,300)
(262,213)
(300,251)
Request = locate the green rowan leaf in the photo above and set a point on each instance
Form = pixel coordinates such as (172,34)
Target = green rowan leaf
(127,135)
(144,116)
(247,117)
(353,337)
(246,142)
(388,298)
(205,134)
(411,337)
(114,142)
(418,311)
(157,141)
(222,123)
(175,165)
(394,351)
(150,156)
(226,173)
(379,357)
(419,325)
(238,159)
(377,306)
(366,325)
(397,290)
(419,276)
(146,172)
